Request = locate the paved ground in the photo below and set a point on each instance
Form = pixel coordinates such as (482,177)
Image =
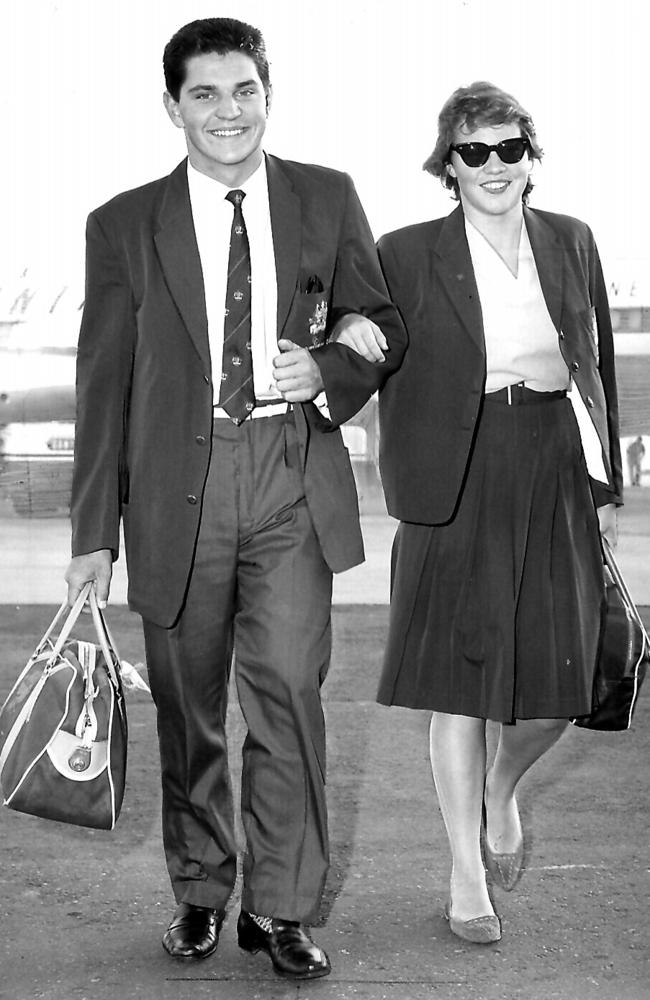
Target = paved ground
(82,912)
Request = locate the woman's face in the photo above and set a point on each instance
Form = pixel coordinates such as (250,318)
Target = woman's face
(496,188)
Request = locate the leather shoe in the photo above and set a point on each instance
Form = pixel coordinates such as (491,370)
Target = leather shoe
(479,930)
(293,953)
(193,932)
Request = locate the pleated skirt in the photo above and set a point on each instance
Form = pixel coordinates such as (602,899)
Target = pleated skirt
(497,613)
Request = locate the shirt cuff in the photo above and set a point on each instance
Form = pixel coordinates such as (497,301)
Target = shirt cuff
(320,401)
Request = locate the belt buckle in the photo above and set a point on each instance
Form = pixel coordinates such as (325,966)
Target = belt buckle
(509,388)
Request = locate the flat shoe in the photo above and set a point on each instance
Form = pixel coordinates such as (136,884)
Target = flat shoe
(193,931)
(505,869)
(479,930)
(293,954)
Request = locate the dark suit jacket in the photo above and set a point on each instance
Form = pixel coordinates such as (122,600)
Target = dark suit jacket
(144,385)
(429,409)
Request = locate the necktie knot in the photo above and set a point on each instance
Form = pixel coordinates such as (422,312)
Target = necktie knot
(236,197)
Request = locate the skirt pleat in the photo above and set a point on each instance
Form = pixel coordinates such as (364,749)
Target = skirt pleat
(497,614)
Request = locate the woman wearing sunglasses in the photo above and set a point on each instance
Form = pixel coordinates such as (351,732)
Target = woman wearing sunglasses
(498,481)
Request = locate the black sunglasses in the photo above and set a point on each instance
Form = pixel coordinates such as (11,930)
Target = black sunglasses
(476,154)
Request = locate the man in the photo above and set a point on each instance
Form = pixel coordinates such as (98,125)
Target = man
(203,433)
(635,453)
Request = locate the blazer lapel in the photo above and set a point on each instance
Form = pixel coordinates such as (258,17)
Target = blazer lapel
(550,263)
(457,275)
(179,258)
(286,228)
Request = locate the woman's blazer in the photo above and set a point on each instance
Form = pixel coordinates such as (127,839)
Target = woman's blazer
(429,408)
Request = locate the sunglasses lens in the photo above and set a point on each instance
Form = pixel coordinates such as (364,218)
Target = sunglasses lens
(512,150)
(473,154)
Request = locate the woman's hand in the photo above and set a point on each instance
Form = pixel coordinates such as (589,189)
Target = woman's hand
(360,334)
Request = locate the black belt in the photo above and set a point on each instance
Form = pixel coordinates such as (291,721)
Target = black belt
(515,395)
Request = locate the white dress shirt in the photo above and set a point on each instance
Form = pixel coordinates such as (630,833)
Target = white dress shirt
(212,216)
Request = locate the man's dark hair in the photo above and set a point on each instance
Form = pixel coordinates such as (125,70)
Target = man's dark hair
(212,34)
(472,107)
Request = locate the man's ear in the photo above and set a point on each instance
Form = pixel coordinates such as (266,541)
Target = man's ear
(173,110)
(269,100)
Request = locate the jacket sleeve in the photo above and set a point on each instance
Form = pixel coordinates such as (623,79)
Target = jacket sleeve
(598,294)
(358,287)
(104,365)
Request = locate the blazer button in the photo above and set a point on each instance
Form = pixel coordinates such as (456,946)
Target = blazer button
(200,439)
(191,499)
(575,365)
(561,335)
(206,379)
(589,401)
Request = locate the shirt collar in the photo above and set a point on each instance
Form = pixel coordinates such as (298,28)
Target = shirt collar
(203,186)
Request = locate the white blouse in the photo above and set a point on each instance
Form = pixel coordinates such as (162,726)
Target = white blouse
(521,341)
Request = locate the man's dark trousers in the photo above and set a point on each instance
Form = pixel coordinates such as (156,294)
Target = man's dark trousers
(258,578)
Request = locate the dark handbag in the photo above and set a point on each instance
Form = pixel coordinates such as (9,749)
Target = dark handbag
(63,729)
(623,655)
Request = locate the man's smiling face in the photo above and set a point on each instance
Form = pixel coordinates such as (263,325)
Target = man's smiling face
(222,107)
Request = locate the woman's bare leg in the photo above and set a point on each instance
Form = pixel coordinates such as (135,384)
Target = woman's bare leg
(458,758)
(519,747)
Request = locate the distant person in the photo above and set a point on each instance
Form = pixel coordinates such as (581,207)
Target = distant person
(214,299)
(635,452)
(497,573)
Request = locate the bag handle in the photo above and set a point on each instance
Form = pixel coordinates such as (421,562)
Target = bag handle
(617,576)
(105,639)
(68,625)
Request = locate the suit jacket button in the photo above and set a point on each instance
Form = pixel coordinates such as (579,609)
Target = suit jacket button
(200,439)
(589,401)
(206,379)
(575,365)
(191,498)
(561,335)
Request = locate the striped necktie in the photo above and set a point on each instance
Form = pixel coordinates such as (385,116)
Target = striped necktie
(237,395)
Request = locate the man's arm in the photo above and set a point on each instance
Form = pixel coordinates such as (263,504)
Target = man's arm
(359,297)
(298,377)
(104,361)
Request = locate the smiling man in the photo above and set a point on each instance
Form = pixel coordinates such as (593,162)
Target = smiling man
(210,390)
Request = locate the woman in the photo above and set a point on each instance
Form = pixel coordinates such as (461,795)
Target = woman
(498,482)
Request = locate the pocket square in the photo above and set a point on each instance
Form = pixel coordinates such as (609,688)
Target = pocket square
(312,284)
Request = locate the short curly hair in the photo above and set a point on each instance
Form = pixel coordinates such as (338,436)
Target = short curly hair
(481,103)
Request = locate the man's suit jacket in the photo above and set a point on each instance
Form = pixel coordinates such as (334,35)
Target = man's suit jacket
(144,386)
(429,408)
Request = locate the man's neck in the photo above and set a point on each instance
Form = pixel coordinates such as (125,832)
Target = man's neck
(231,175)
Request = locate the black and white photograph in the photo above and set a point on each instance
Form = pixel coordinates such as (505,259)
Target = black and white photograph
(324,500)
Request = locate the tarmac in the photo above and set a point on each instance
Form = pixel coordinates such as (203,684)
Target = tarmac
(82,911)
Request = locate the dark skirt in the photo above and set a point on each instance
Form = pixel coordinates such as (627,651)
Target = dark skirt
(496,614)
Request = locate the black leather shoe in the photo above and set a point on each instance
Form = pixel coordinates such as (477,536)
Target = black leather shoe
(193,932)
(293,953)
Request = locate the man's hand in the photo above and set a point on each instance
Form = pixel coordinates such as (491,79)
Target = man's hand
(362,335)
(96,566)
(608,525)
(296,374)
